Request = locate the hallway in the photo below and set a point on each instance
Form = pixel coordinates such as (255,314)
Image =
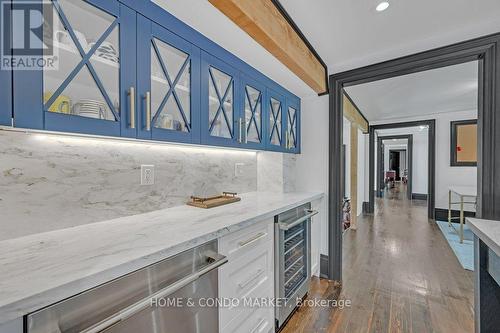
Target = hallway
(399,274)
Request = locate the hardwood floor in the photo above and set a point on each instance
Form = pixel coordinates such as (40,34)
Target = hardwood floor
(399,274)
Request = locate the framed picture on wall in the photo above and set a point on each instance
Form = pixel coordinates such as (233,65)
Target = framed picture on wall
(463,150)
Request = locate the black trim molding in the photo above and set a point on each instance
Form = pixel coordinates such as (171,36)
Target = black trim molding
(366,207)
(323,266)
(453,143)
(441,214)
(419,196)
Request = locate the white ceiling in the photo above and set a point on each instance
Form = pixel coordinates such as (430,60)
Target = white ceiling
(447,89)
(348,33)
(351,33)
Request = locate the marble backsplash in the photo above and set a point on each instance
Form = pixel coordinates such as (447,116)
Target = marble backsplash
(49,182)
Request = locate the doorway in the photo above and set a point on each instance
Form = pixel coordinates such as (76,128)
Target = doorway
(381,177)
(483,50)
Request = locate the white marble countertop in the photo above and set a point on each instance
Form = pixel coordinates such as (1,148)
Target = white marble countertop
(41,269)
(488,231)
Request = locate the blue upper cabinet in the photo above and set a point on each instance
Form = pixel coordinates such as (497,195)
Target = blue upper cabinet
(252,106)
(5,74)
(128,68)
(220,103)
(88,90)
(168,85)
(292,125)
(275,124)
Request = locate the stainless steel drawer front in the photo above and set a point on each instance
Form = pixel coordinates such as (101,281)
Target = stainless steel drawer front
(124,304)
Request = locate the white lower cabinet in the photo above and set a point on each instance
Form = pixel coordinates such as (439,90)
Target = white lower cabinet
(248,277)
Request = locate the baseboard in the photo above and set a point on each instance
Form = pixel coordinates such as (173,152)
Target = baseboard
(323,266)
(419,196)
(441,214)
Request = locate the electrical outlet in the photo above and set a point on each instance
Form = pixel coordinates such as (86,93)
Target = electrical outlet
(238,169)
(147,174)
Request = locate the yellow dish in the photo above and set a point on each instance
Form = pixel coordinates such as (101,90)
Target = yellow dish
(62,104)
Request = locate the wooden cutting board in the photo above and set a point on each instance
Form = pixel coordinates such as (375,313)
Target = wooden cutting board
(216,201)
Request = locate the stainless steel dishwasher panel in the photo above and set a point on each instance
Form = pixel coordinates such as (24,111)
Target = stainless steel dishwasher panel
(124,304)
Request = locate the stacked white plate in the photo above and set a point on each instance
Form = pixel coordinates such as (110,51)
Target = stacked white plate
(91,108)
(107,51)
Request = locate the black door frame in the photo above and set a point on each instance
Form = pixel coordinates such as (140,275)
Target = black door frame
(484,49)
(380,164)
(431,161)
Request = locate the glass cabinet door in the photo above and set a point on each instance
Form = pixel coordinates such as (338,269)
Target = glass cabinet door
(276,112)
(252,116)
(292,135)
(168,82)
(220,119)
(86,89)
(5,75)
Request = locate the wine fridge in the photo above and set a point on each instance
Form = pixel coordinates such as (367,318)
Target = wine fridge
(292,259)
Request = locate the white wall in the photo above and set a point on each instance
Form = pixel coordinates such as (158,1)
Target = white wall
(446,175)
(312,163)
(420,171)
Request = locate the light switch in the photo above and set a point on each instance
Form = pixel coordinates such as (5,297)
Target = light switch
(147,174)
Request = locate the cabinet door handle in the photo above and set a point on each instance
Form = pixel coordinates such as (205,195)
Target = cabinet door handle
(131,94)
(148,111)
(252,239)
(245,136)
(240,133)
(251,279)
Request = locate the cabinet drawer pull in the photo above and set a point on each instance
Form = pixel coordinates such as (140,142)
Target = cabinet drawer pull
(148,111)
(253,239)
(242,285)
(259,324)
(131,95)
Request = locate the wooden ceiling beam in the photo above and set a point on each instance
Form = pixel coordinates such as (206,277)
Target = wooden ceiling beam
(266,25)
(355,116)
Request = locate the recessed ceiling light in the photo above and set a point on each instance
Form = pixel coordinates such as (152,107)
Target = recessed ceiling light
(382,6)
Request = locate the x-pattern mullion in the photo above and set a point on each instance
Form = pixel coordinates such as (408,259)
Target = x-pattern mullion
(275,125)
(292,123)
(85,60)
(172,85)
(221,103)
(253,109)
